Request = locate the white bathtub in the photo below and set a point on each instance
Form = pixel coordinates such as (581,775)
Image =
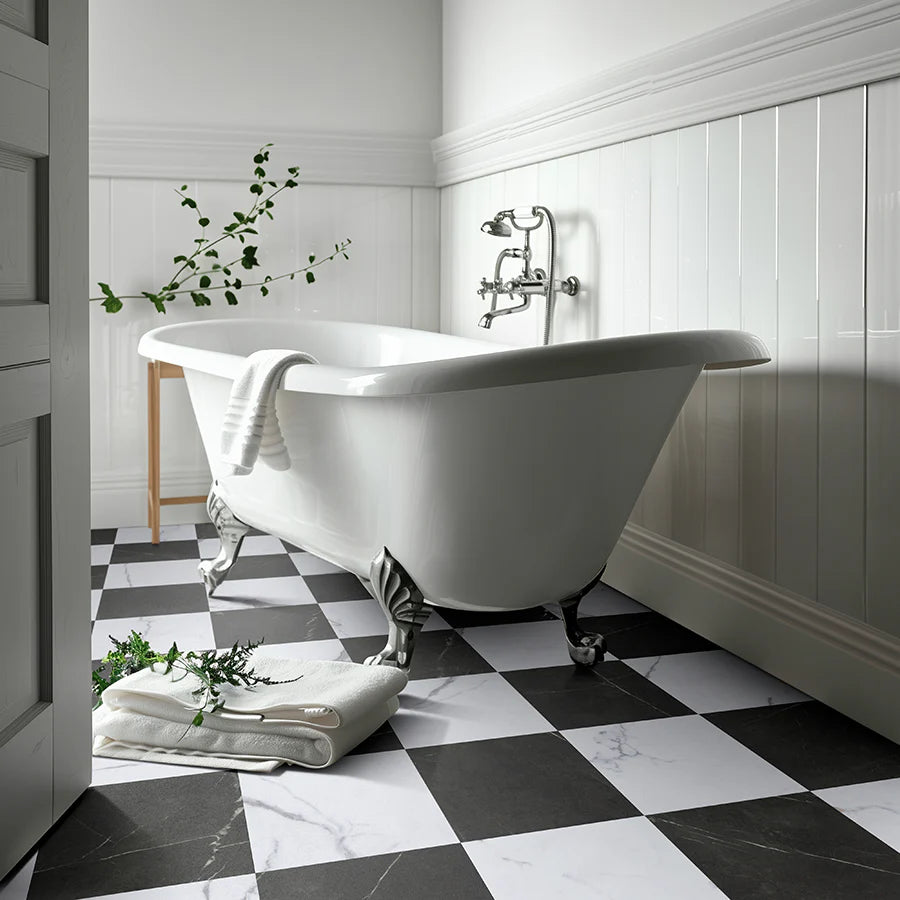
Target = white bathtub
(501,478)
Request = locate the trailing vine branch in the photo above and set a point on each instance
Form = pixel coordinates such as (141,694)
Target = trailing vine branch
(263,204)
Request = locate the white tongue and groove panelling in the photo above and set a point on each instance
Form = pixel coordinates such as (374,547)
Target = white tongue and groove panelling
(755,221)
(138,226)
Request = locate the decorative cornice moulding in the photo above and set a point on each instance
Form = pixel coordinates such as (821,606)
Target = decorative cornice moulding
(221,154)
(792,51)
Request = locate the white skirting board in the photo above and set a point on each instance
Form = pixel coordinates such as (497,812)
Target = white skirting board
(844,663)
(121,501)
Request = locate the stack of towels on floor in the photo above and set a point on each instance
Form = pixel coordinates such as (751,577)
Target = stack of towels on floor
(311,722)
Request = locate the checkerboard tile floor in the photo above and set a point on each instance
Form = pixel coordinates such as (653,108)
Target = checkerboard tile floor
(671,770)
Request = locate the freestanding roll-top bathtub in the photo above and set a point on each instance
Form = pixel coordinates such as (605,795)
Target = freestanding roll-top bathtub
(446,471)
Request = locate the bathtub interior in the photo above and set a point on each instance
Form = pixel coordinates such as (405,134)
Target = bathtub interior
(342,344)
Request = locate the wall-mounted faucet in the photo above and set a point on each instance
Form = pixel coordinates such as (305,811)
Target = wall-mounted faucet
(530,281)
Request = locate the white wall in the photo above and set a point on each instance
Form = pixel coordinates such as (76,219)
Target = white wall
(184,92)
(313,65)
(786,473)
(506,53)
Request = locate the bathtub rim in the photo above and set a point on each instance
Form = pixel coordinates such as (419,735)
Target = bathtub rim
(499,365)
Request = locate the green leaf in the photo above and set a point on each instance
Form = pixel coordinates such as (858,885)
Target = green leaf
(294,170)
(264,290)
(203,221)
(237,284)
(198,719)
(239,216)
(192,204)
(231,227)
(290,183)
(256,188)
(312,258)
(259,172)
(112,304)
(226,270)
(205,281)
(178,259)
(232,300)
(310,277)
(259,159)
(212,252)
(184,187)
(200,299)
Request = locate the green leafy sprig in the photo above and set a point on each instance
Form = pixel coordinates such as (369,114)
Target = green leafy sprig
(203,271)
(212,668)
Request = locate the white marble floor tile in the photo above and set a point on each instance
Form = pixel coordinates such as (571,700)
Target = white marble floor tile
(523,645)
(192,631)
(100,554)
(714,680)
(95,603)
(309,564)
(147,574)
(253,545)
(332,649)
(365,805)
(683,762)
(463,708)
(16,888)
(253,593)
(141,535)
(238,887)
(874,805)
(355,618)
(604,601)
(118,771)
(625,859)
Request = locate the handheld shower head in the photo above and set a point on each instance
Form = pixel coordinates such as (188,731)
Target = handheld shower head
(497,227)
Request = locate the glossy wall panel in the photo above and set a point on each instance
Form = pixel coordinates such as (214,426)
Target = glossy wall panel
(786,471)
(138,226)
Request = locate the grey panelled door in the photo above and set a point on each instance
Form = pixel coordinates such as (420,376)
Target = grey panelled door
(44,474)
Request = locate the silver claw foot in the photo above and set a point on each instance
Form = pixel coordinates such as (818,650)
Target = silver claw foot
(585,647)
(389,583)
(231,533)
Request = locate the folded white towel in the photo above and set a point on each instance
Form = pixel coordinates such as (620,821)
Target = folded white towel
(311,722)
(251,429)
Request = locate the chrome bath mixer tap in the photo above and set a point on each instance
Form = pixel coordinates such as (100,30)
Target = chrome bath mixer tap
(530,281)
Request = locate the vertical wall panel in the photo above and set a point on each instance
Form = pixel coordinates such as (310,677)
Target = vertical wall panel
(796,505)
(759,315)
(393,271)
(842,361)
(689,434)
(425,251)
(883,357)
(657,493)
(586,243)
(611,242)
(723,405)
(449,255)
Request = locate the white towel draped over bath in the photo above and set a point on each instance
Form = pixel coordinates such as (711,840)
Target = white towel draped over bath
(310,722)
(251,428)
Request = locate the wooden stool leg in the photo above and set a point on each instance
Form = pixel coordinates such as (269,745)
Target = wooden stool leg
(153,474)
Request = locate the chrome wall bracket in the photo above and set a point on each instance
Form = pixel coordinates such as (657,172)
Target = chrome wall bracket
(585,647)
(231,531)
(390,584)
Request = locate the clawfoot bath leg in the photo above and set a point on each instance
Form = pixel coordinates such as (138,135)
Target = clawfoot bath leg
(585,647)
(231,533)
(389,583)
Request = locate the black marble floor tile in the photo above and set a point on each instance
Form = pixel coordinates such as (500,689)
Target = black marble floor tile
(464,618)
(122,603)
(132,553)
(438,654)
(290,548)
(382,739)
(103,535)
(578,696)
(274,625)
(516,784)
(813,743)
(98,576)
(794,847)
(270,565)
(336,587)
(438,873)
(145,834)
(633,635)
